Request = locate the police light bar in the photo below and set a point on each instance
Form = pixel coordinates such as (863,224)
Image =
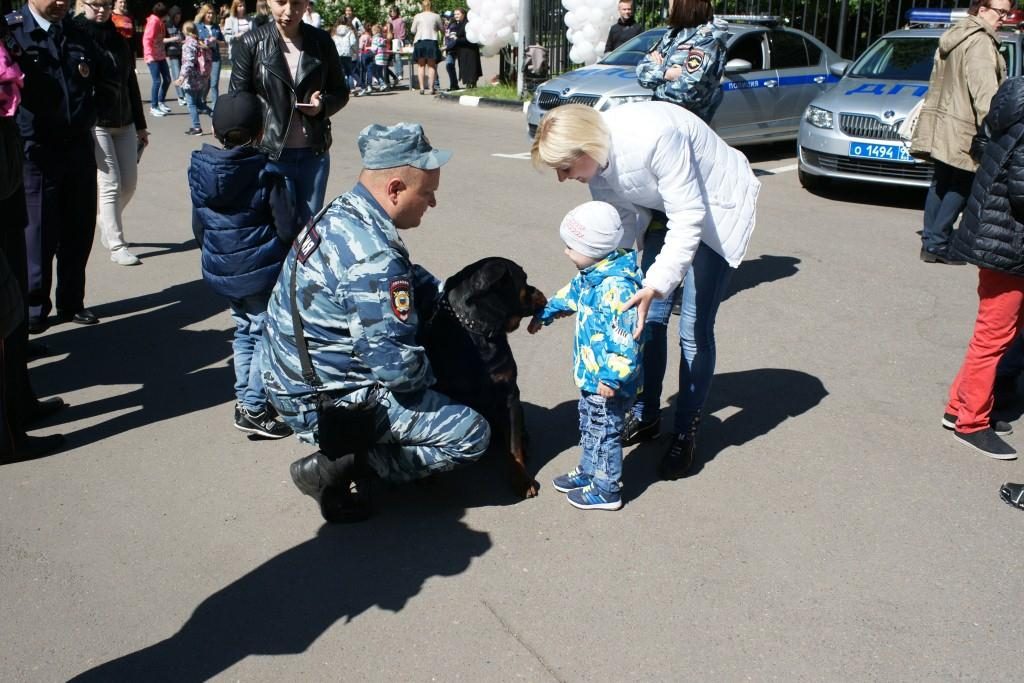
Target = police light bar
(935,16)
(765,19)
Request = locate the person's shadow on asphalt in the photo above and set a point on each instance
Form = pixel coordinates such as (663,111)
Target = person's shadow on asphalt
(282,606)
(176,370)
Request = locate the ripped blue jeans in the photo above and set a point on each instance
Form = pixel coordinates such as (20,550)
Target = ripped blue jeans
(601,439)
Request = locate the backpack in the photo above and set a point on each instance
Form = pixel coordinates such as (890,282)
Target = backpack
(536,63)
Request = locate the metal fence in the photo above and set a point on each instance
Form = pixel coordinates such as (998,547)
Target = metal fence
(847,26)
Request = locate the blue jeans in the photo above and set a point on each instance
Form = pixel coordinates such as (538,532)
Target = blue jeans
(702,290)
(947,197)
(213,90)
(305,173)
(365,69)
(192,100)
(249,315)
(601,439)
(160,74)
(174,66)
(348,68)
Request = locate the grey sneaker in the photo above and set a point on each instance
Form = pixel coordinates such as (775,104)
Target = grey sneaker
(986,441)
(123,257)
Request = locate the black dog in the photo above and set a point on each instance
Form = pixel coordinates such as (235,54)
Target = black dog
(465,336)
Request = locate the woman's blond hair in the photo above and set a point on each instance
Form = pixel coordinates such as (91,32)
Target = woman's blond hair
(201,12)
(568,132)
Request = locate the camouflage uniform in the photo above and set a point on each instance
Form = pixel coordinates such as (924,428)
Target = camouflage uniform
(700,52)
(355,287)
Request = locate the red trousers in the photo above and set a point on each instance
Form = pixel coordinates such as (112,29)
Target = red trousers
(1000,297)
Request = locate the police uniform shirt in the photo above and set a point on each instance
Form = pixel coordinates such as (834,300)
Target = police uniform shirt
(354,288)
(59,62)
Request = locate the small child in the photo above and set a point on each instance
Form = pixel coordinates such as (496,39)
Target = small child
(194,79)
(605,355)
(379,45)
(245,221)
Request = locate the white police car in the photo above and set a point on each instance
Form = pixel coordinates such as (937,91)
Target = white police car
(850,132)
(772,72)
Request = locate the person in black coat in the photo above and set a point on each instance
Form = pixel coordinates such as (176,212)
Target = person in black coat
(624,29)
(991,236)
(467,53)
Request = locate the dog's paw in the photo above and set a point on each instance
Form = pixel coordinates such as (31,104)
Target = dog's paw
(528,487)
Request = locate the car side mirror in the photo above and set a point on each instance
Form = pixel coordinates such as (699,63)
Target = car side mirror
(839,68)
(738,66)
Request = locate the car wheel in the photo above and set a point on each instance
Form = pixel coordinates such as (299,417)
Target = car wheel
(810,182)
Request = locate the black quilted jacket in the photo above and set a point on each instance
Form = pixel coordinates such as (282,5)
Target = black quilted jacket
(991,233)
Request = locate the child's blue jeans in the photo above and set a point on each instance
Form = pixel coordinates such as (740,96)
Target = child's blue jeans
(601,439)
(249,315)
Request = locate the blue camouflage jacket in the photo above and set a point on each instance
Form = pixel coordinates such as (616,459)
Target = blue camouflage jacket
(604,350)
(355,288)
(700,52)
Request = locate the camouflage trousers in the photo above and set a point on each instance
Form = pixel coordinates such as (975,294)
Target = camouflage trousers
(419,434)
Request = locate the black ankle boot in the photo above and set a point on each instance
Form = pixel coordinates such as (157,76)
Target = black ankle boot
(678,459)
(341,487)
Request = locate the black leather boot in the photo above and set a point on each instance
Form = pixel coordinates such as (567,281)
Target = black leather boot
(678,459)
(341,487)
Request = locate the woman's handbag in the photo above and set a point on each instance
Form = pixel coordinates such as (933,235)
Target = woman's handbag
(342,427)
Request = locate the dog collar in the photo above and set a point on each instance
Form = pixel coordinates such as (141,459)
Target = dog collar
(470,325)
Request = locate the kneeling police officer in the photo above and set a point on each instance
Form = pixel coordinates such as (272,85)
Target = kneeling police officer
(340,344)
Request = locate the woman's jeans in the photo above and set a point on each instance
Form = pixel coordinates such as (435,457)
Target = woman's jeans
(601,439)
(305,174)
(160,74)
(249,315)
(213,89)
(117,172)
(946,199)
(175,67)
(702,290)
(365,69)
(192,100)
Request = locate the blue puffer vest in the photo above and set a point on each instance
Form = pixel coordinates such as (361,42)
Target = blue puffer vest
(232,220)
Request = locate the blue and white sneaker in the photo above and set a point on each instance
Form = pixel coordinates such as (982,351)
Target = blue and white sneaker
(592,498)
(576,479)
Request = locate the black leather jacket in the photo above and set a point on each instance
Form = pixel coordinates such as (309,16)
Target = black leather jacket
(259,67)
(118,101)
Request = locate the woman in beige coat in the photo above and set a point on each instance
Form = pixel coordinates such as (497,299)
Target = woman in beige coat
(967,72)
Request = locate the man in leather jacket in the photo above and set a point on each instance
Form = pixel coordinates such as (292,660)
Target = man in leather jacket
(624,29)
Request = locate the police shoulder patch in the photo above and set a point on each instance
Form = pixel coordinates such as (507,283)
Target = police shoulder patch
(694,60)
(401,299)
(307,243)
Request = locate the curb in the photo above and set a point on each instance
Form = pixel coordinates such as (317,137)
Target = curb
(471,101)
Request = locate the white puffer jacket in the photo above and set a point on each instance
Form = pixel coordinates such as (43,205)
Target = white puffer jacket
(664,157)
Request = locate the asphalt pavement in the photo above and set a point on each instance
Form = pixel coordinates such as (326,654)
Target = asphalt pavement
(834,531)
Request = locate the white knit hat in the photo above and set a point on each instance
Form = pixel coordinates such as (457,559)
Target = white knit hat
(593,229)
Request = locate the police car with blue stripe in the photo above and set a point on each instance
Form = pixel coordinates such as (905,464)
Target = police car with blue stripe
(852,131)
(772,72)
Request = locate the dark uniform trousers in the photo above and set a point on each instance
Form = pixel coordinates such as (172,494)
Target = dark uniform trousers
(17,390)
(60,195)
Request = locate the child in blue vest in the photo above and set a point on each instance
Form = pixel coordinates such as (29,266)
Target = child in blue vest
(605,355)
(245,221)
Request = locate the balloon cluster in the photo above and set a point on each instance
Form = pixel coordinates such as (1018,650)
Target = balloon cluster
(588,22)
(492,24)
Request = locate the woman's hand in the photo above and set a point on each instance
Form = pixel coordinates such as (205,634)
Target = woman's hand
(143,136)
(179,81)
(313,107)
(605,390)
(674,73)
(642,299)
(656,57)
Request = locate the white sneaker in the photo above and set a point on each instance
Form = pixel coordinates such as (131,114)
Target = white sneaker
(157,112)
(123,257)
(164,108)
(182,102)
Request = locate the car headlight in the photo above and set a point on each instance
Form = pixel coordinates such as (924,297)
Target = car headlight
(817,117)
(616,101)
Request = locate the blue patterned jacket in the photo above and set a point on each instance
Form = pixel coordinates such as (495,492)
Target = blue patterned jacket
(604,350)
(700,52)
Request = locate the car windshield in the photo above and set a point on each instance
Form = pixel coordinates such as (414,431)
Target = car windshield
(631,52)
(898,59)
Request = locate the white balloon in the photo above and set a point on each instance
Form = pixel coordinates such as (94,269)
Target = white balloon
(590,34)
(576,55)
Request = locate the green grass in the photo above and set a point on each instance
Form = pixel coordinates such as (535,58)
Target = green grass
(496,92)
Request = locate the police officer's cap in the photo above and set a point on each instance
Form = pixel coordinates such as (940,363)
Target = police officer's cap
(403,144)
(237,118)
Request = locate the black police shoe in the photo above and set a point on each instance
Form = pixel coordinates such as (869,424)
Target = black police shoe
(634,430)
(42,409)
(82,317)
(37,324)
(340,487)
